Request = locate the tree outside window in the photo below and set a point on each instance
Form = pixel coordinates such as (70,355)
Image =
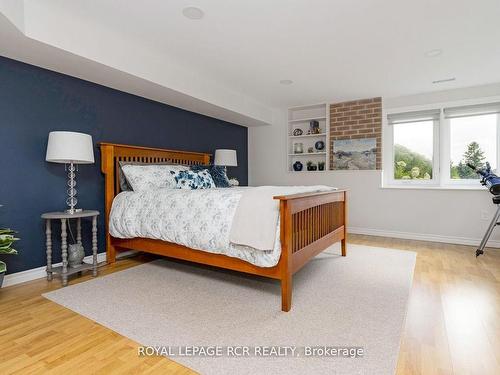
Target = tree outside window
(473,155)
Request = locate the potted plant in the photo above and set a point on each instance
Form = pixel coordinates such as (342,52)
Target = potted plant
(6,240)
(321,165)
(311,166)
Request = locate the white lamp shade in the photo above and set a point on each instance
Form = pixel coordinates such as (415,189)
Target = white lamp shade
(226,158)
(70,147)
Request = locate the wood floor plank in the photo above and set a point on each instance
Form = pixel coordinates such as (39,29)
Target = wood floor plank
(452,326)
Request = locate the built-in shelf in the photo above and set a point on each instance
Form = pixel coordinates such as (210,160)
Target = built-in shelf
(307,119)
(300,118)
(309,106)
(308,154)
(308,135)
(306,171)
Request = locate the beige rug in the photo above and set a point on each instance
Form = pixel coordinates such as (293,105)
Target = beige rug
(357,301)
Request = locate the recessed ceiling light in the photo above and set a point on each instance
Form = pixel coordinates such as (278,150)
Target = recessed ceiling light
(286,82)
(193,13)
(444,80)
(434,53)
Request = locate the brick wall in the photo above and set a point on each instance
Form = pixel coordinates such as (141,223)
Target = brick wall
(357,119)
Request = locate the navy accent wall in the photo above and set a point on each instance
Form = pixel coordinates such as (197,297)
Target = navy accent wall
(35,101)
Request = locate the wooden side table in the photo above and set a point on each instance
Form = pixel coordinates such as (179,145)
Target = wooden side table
(64,217)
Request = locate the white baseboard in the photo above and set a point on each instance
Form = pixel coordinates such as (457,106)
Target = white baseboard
(40,272)
(421,237)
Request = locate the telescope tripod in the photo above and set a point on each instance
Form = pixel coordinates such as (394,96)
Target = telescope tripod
(493,224)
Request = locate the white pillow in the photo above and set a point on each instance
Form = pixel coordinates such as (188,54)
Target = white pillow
(151,177)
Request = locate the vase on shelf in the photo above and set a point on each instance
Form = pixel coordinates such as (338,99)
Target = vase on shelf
(298,148)
(297,166)
(314,127)
(76,253)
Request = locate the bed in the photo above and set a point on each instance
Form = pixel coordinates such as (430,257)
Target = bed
(308,222)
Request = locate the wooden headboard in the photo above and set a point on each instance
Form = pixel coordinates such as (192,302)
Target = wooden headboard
(112,154)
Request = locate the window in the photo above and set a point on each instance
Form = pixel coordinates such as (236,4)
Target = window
(413,146)
(413,139)
(433,147)
(472,140)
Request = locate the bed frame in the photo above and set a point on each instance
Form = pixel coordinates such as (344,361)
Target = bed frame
(310,222)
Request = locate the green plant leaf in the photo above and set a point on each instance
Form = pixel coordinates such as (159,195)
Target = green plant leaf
(6,240)
(3,267)
(5,244)
(9,250)
(7,231)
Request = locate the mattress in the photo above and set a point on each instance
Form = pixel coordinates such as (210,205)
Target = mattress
(199,219)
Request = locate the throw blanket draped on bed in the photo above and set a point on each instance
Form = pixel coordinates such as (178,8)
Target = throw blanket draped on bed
(203,219)
(257,214)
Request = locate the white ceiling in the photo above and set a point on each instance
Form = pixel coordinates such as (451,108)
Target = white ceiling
(331,49)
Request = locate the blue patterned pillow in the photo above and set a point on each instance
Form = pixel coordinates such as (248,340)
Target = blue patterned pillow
(188,179)
(218,173)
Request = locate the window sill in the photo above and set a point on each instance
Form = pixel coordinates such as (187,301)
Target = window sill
(446,187)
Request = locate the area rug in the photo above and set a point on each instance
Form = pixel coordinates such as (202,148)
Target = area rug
(347,313)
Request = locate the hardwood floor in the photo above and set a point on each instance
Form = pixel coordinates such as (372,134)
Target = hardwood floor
(452,326)
(453,320)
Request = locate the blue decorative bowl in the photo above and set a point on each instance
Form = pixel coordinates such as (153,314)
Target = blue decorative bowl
(320,145)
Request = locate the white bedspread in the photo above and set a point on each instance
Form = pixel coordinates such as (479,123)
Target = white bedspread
(199,219)
(237,222)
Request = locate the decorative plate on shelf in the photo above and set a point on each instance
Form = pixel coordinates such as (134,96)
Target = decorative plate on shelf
(297,132)
(320,145)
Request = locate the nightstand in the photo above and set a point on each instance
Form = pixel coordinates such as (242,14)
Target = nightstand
(64,218)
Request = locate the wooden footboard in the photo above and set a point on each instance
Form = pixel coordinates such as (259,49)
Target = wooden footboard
(310,223)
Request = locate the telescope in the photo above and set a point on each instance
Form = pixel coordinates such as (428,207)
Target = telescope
(488,179)
(492,182)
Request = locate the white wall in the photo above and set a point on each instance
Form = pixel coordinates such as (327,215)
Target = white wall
(438,215)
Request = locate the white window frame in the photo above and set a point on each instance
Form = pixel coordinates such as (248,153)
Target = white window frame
(446,155)
(441,148)
(434,181)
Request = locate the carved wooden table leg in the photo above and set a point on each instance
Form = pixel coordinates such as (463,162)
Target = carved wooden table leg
(64,249)
(48,243)
(94,245)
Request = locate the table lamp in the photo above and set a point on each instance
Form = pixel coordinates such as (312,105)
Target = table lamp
(225,157)
(70,148)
